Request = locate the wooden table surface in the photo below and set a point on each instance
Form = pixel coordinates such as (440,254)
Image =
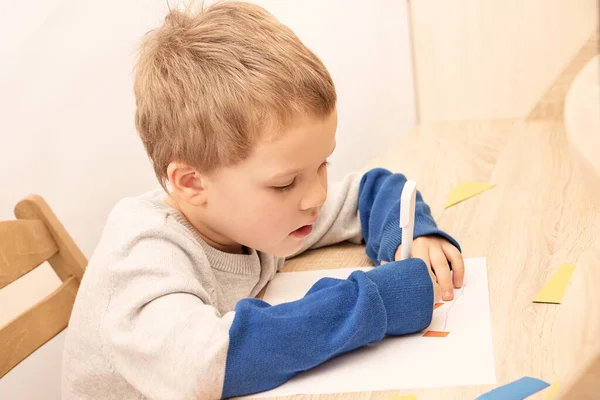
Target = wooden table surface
(544,212)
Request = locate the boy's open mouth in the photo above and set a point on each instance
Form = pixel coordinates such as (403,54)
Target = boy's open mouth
(302,232)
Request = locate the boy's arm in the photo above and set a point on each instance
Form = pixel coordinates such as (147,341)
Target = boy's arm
(365,208)
(168,343)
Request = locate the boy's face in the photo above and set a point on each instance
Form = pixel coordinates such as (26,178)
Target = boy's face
(270,200)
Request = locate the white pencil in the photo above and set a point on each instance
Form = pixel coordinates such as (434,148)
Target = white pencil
(408,199)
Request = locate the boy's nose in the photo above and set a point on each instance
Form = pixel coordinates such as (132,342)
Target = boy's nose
(315,196)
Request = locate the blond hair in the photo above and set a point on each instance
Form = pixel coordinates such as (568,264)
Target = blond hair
(207,84)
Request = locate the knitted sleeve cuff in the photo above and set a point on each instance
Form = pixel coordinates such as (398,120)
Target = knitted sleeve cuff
(407,293)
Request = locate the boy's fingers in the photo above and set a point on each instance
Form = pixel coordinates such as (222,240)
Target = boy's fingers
(440,265)
(422,253)
(398,253)
(458,264)
(437,292)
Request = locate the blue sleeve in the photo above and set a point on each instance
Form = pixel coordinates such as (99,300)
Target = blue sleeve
(379,210)
(270,344)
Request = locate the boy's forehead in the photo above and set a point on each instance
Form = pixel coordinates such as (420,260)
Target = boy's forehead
(302,145)
(304,134)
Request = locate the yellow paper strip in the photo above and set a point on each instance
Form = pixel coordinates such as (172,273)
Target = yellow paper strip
(405,397)
(556,286)
(465,191)
(553,391)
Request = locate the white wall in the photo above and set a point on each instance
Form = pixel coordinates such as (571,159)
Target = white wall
(66,104)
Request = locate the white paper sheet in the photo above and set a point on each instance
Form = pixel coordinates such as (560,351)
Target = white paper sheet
(404,362)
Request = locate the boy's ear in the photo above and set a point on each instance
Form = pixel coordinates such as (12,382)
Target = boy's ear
(187,183)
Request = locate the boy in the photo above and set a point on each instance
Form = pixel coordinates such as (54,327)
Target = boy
(238,117)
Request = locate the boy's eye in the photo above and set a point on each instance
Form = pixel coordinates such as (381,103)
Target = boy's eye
(293,183)
(286,187)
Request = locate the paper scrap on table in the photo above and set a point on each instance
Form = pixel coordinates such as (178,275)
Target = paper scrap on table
(517,390)
(467,190)
(402,362)
(435,334)
(405,397)
(554,290)
(554,388)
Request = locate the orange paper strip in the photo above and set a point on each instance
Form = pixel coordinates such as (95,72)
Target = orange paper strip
(436,305)
(435,334)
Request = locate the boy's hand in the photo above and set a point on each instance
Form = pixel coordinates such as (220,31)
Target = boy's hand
(437,252)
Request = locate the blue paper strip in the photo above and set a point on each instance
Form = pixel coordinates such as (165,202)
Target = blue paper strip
(517,390)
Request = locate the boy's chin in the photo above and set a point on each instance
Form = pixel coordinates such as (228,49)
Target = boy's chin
(285,249)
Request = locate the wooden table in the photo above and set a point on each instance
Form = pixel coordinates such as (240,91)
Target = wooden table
(544,212)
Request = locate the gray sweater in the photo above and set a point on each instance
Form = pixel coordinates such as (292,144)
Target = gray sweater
(156,304)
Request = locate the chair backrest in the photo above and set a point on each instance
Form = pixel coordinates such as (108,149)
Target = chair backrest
(34,237)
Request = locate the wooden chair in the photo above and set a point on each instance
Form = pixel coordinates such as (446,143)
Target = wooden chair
(34,237)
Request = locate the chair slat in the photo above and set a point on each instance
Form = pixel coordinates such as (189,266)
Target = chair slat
(28,332)
(69,260)
(24,244)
